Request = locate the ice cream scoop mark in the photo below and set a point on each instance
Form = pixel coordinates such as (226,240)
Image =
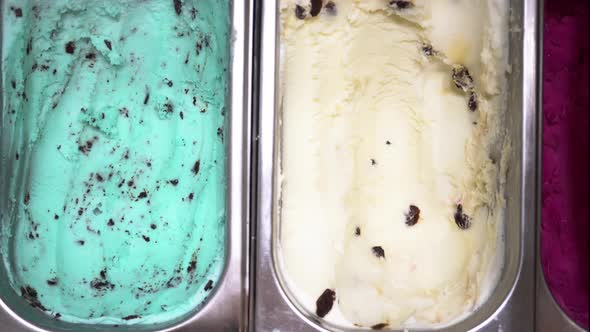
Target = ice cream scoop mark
(209,285)
(18,12)
(378,252)
(357,231)
(379,326)
(325,302)
(196,167)
(300,12)
(108,44)
(316,7)
(52,281)
(413,215)
(461,219)
(31,296)
(178,7)
(400,4)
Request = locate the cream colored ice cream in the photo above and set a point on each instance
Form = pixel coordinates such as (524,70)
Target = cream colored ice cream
(392,157)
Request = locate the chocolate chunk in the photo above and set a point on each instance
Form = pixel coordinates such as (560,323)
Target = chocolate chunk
(316,7)
(153,226)
(196,167)
(373,162)
(52,281)
(357,231)
(192,265)
(400,4)
(18,12)
(462,78)
(142,194)
(108,44)
(70,47)
(146,238)
(99,177)
(378,251)
(300,12)
(111,222)
(461,219)
(30,294)
(330,7)
(178,7)
(13,83)
(29,46)
(191,196)
(379,326)
(413,215)
(209,285)
(146,98)
(168,108)
(325,302)
(81,242)
(472,104)
(130,317)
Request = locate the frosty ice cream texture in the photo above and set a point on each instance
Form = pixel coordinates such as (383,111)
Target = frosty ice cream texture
(392,157)
(113,157)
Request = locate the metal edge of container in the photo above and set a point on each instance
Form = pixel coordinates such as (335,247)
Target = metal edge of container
(513,311)
(227,308)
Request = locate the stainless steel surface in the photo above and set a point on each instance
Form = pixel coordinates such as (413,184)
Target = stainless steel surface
(227,310)
(512,305)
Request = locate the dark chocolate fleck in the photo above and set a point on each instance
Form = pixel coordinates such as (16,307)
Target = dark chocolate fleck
(91,56)
(27,198)
(413,215)
(357,231)
(191,196)
(379,326)
(18,12)
(30,294)
(461,219)
(378,251)
(108,44)
(300,12)
(146,238)
(174,182)
(178,7)
(401,4)
(81,242)
(196,167)
(168,108)
(13,83)
(472,104)
(142,194)
(130,317)
(316,7)
(70,47)
(427,50)
(111,222)
(373,162)
(99,177)
(192,265)
(324,303)
(209,285)
(181,115)
(146,98)
(330,7)
(52,281)
(153,226)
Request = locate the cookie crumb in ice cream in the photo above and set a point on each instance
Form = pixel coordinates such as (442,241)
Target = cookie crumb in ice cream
(472,103)
(379,326)
(413,215)
(316,7)
(300,12)
(461,219)
(462,78)
(70,47)
(325,302)
(378,252)
(400,4)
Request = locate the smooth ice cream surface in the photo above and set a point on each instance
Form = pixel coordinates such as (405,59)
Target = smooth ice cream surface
(392,157)
(112,169)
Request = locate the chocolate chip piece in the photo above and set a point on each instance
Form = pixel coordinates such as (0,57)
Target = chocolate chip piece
(316,7)
(413,215)
(70,47)
(52,281)
(108,44)
(427,50)
(81,242)
(99,177)
(325,302)
(91,56)
(153,226)
(196,167)
(192,265)
(357,231)
(146,238)
(461,219)
(111,222)
(18,12)
(130,317)
(472,104)
(462,78)
(146,98)
(373,162)
(400,4)
(209,285)
(300,12)
(177,7)
(330,7)
(378,252)
(142,194)
(379,326)
(174,182)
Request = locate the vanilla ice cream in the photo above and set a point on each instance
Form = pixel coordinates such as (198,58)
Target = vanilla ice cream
(392,157)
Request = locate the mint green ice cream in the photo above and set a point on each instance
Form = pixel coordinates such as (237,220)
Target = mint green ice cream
(112,155)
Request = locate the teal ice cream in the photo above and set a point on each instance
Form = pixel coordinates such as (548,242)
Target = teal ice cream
(112,170)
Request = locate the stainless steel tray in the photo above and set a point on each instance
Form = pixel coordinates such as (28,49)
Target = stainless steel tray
(227,309)
(511,306)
